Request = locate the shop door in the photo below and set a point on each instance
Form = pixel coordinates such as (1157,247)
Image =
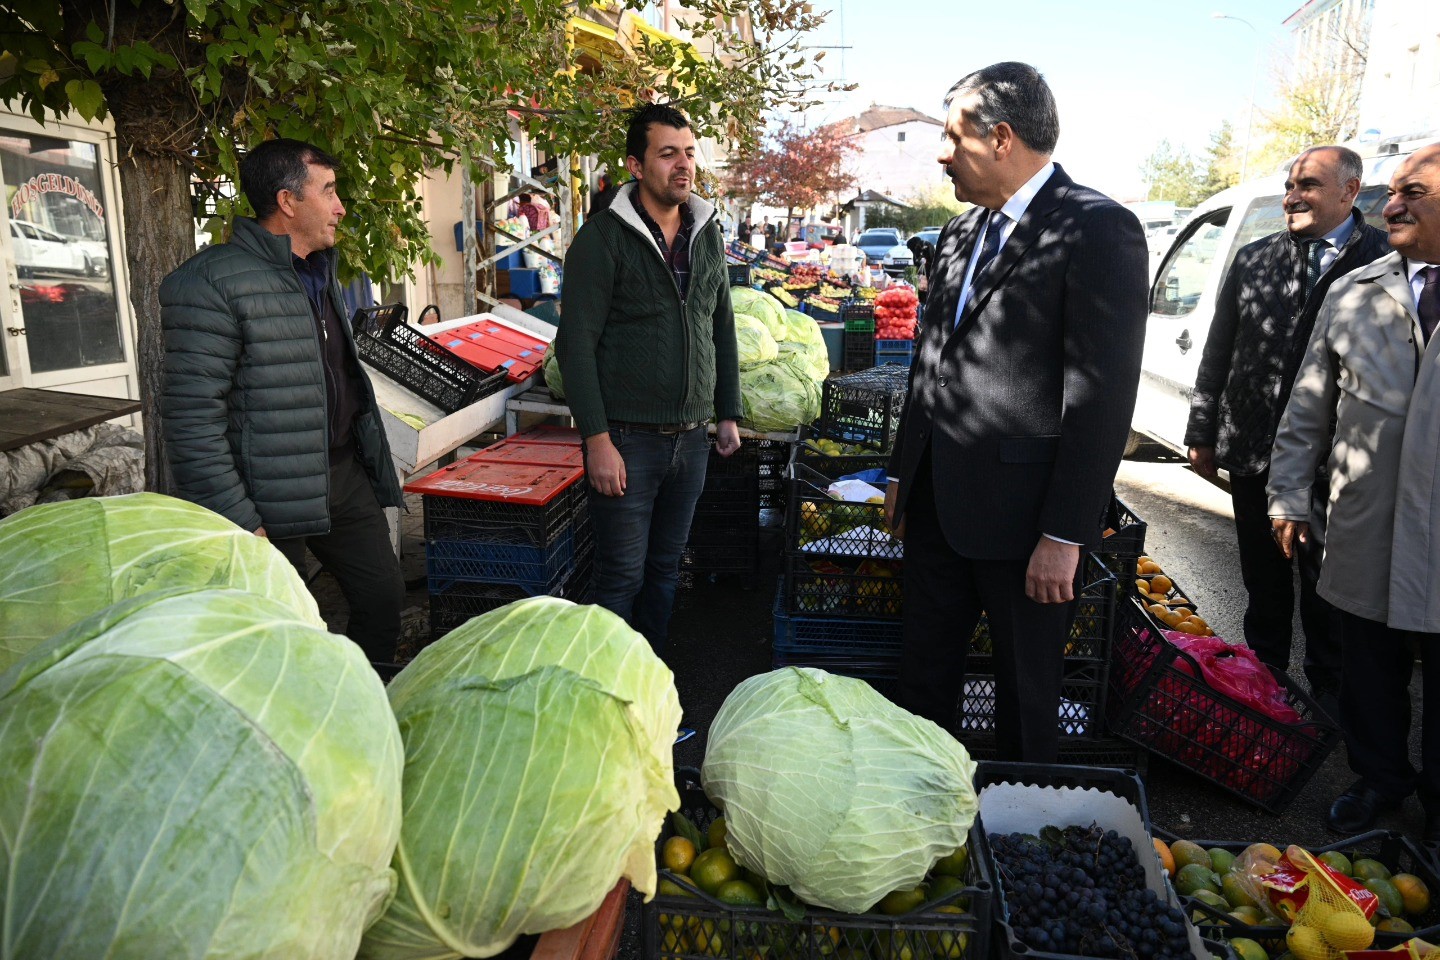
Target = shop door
(62,322)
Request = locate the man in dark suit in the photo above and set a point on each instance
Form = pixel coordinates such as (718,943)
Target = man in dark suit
(1018,409)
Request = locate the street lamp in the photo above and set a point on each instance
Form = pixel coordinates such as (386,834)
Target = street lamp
(1254,72)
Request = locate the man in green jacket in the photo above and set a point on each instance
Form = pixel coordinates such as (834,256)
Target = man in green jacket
(647,352)
(268,419)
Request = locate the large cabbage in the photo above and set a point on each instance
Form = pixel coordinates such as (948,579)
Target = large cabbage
(551,371)
(61,562)
(831,789)
(753,339)
(538,771)
(805,345)
(778,396)
(195,774)
(761,306)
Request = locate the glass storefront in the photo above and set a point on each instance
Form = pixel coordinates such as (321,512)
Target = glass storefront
(55,197)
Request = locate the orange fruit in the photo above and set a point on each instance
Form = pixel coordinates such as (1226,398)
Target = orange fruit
(1413,891)
(1166,860)
(1199,621)
(1158,611)
(677,855)
(1142,586)
(1189,626)
(1161,584)
(1147,566)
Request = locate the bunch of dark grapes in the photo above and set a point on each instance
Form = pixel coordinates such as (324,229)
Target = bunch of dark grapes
(1082,890)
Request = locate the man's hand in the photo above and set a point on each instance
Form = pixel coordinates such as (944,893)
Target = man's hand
(260,532)
(1286,532)
(1203,460)
(892,497)
(604,466)
(727,438)
(1050,577)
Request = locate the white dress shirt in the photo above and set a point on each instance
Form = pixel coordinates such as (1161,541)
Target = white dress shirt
(1014,209)
(1333,241)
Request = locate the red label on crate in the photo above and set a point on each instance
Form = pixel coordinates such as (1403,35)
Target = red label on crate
(522,483)
(493,346)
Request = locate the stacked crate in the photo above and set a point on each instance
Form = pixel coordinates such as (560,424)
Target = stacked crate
(509,522)
(858,346)
(725,531)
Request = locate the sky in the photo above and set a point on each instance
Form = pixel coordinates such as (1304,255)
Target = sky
(1126,73)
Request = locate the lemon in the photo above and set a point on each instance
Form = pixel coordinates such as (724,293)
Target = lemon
(1248,949)
(954,865)
(738,893)
(1345,930)
(1306,943)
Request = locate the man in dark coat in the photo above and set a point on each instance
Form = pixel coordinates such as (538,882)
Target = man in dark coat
(1017,412)
(268,419)
(1263,318)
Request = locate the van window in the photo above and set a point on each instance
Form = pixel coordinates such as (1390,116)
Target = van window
(1182,279)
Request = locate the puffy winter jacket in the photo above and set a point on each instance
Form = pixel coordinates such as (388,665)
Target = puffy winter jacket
(243,400)
(1257,338)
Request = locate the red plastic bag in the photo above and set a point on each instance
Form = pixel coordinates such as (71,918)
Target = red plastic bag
(1236,672)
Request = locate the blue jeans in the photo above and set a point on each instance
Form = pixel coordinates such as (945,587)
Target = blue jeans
(640,535)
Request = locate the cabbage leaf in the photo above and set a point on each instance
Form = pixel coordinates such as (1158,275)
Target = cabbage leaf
(538,770)
(832,790)
(195,774)
(761,306)
(778,396)
(753,340)
(551,371)
(62,562)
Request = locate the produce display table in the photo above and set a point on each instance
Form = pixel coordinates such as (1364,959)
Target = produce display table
(30,416)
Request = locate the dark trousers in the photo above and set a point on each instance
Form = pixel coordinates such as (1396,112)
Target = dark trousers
(1270,612)
(358,554)
(640,535)
(945,594)
(1375,706)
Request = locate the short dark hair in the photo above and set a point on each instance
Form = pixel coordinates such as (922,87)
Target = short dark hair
(1013,93)
(637,137)
(1349,166)
(280,164)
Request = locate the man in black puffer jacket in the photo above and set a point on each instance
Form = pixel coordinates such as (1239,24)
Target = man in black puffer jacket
(1263,318)
(268,419)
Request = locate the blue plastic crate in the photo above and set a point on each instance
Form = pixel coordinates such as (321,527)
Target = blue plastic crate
(899,352)
(506,563)
(800,638)
(452,602)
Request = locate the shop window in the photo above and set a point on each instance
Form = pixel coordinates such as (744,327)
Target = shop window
(900,136)
(62,250)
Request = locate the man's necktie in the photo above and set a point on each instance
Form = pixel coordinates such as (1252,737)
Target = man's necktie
(1314,250)
(1429,304)
(990,246)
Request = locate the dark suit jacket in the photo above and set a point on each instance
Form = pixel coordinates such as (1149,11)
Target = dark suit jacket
(1026,404)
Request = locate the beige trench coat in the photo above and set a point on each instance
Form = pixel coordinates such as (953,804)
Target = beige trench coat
(1365,362)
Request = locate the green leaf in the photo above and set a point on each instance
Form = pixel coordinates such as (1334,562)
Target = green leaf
(93,32)
(86,97)
(682,825)
(780,898)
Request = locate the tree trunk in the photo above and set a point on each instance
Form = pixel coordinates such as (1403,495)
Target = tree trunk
(159,236)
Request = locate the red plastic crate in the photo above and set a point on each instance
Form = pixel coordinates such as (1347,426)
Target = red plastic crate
(523,484)
(540,454)
(547,433)
(494,346)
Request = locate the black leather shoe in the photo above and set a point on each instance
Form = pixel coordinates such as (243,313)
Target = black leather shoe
(1357,809)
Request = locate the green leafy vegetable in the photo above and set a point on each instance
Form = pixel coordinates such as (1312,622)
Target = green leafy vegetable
(538,772)
(830,789)
(195,774)
(778,396)
(753,339)
(553,380)
(62,562)
(761,306)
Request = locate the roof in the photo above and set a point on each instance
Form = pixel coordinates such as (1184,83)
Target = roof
(877,117)
(870,196)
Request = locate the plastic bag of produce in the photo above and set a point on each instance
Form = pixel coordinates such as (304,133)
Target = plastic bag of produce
(753,340)
(62,562)
(778,396)
(538,746)
(553,381)
(831,789)
(761,306)
(195,774)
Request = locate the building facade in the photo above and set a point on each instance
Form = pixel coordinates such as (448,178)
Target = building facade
(1400,94)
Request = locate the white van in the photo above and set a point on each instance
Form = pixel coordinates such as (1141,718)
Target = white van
(1187,281)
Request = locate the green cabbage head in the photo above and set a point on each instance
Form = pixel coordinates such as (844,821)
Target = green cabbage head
(551,369)
(805,345)
(779,395)
(61,562)
(761,306)
(831,789)
(753,340)
(195,774)
(538,771)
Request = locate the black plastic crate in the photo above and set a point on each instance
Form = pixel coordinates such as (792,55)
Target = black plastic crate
(1125,541)
(850,588)
(798,636)
(509,563)
(858,316)
(835,466)
(772,462)
(864,407)
(1104,752)
(1392,849)
(1080,712)
(452,602)
(1159,700)
(1093,626)
(1123,784)
(857,350)
(464,518)
(739,274)
(423,367)
(817,525)
(722,558)
(699,927)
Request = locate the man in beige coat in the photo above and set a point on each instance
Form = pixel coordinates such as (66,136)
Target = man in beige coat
(1373,362)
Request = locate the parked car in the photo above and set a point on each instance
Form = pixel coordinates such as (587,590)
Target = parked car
(897,260)
(41,250)
(1187,282)
(878,241)
(930,235)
